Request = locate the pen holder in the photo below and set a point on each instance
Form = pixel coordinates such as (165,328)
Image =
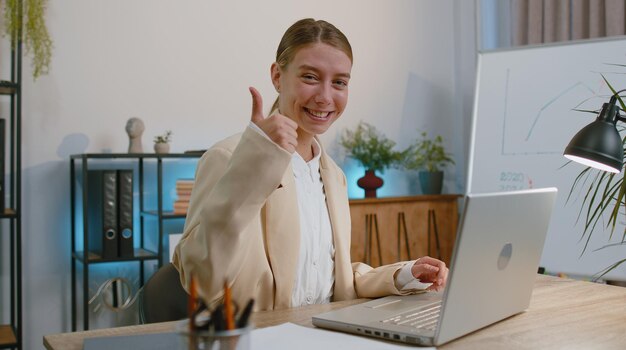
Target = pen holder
(236,339)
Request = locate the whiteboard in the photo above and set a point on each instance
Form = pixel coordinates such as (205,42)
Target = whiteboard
(522,122)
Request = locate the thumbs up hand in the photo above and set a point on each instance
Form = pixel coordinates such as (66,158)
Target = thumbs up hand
(277,127)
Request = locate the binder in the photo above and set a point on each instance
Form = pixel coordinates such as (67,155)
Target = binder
(103,213)
(125,200)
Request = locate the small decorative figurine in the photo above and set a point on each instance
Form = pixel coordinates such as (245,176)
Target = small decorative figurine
(134,129)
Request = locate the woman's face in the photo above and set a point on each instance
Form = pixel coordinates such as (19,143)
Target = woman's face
(313,87)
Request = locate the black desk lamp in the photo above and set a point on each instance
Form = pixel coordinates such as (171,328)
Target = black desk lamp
(598,144)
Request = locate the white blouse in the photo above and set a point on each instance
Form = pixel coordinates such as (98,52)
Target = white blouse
(315,275)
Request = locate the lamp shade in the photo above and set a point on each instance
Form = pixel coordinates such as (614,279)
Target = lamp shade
(597,145)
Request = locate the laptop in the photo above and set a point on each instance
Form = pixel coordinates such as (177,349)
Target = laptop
(492,274)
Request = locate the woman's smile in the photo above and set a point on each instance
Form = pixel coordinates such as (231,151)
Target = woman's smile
(318,115)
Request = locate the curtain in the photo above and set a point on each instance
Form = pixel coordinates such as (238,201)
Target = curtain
(546,21)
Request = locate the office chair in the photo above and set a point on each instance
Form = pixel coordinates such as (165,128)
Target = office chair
(162,298)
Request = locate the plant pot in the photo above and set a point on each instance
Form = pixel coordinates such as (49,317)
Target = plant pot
(431,182)
(370,183)
(161,148)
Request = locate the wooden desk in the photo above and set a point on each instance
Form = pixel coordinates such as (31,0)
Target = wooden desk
(563,314)
(422,215)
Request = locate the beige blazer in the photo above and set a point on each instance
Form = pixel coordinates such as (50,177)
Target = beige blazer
(242,225)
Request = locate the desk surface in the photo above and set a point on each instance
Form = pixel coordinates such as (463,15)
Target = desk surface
(563,314)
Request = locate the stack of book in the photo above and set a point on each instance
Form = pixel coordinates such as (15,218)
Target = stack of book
(183,194)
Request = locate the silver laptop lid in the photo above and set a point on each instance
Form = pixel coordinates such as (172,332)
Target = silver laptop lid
(509,230)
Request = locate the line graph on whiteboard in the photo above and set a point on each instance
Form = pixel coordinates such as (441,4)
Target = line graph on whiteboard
(540,120)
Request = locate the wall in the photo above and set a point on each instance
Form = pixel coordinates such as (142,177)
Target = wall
(186,66)
(495,24)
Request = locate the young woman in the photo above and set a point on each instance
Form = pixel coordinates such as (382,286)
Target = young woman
(269,209)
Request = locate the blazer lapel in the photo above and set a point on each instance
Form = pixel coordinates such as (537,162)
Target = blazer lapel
(329,181)
(282,230)
(339,213)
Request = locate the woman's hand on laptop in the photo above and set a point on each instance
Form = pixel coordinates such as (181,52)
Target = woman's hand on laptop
(430,270)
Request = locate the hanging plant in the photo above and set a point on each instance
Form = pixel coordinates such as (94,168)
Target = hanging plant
(24,20)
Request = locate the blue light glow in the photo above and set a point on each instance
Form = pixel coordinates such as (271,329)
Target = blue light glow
(172,171)
(395,181)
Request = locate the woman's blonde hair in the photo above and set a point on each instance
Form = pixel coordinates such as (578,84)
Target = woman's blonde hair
(308,31)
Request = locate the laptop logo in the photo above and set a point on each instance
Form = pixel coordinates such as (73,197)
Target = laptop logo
(505,256)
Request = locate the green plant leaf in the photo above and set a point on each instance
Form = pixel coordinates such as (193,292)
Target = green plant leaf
(426,154)
(616,207)
(608,269)
(372,149)
(585,111)
(609,246)
(604,194)
(27,24)
(574,185)
(619,98)
(164,138)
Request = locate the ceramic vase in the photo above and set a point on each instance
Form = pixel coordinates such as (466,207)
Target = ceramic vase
(431,182)
(161,148)
(370,183)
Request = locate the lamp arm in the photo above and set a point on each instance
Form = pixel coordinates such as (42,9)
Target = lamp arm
(613,102)
(614,97)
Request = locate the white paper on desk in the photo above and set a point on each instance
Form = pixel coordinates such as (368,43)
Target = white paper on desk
(291,336)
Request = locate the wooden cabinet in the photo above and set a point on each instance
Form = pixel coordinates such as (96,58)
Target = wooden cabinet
(378,228)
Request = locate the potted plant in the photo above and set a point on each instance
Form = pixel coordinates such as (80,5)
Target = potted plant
(161,142)
(374,151)
(428,157)
(26,17)
(604,194)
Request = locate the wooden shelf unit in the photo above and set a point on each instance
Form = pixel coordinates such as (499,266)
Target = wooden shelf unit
(7,337)
(416,216)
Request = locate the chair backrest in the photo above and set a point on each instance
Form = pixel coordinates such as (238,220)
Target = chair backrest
(162,297)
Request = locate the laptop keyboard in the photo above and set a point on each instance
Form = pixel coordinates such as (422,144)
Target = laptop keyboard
(424,318)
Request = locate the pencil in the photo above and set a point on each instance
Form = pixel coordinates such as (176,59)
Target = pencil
(228,307)
(242,322)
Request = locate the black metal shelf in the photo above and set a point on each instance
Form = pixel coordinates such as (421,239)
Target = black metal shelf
(190,155)
(80,164)
(140,254)
(11,330)
(165,215)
